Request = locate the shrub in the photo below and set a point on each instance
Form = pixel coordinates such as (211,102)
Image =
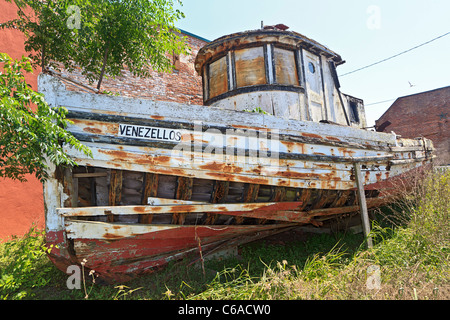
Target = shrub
(23,265)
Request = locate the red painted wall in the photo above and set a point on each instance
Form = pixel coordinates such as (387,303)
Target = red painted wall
(21,204)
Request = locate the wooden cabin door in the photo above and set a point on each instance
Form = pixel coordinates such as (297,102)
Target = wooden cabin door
(314,87)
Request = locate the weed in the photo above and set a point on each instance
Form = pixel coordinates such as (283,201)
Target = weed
(23,265)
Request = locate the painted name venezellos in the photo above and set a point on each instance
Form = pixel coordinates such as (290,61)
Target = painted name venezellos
(150,133)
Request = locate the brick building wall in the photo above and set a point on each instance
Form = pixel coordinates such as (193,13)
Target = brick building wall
(182,85)
(424,114)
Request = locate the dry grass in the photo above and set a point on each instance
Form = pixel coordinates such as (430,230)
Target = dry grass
(411,256)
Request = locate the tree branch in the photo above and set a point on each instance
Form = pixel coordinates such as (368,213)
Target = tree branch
(105,58)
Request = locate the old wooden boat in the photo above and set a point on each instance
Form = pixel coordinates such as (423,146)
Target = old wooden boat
(168,180)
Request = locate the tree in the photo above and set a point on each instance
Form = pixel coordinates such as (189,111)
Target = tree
(29,139)
(135,33)
(101,36)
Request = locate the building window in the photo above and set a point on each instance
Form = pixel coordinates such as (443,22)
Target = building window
(285,67)
(250,67)
(218,77)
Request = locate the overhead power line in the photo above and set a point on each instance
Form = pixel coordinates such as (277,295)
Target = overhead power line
(378,62)
(379,102)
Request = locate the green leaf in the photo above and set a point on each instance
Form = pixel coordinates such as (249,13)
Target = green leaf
(29,138)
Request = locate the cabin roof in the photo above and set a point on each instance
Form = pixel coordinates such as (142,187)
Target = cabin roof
(241,39)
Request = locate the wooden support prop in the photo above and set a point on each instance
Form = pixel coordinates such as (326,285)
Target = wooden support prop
(363,204)
(115,190)
(150,190)
(183,192)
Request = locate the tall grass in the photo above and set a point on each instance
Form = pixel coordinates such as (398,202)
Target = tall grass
(412,257)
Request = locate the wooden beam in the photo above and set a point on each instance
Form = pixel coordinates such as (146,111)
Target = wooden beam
(115,190)
(250,192)
(183,192)
(326,197)
(177,207)
(105,231)
(249,195)
(283,211)
(90,175)
(363,204)
(278,194)
(70,189)
(341,199)
(219,195)
(171,202)
(184,188)
(304,198)
(150,189)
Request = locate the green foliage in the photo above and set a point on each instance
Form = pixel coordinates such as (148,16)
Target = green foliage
(28,139)
(24,266)
(101,36)
(135,33)
(256,110)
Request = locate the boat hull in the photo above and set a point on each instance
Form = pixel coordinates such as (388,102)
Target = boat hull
(168,181)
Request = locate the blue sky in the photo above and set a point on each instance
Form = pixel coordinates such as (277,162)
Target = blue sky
(361,31)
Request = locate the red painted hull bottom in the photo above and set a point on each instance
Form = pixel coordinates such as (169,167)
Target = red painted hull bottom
(121,259)
(124,259)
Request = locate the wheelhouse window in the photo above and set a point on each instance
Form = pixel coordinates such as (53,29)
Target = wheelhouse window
(218,77)
(265,66)
(285,67)
(250,67)
(354,114)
